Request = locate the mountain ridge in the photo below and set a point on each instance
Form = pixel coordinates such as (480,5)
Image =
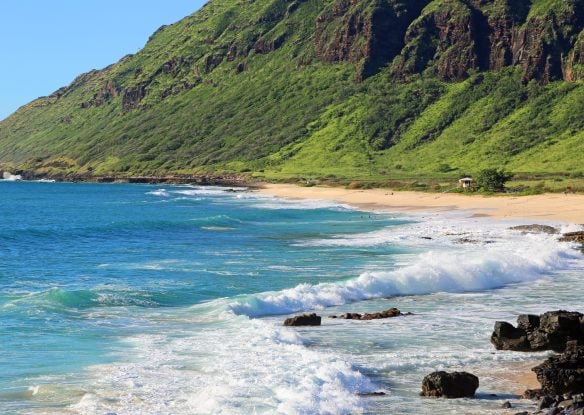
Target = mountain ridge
(325,88)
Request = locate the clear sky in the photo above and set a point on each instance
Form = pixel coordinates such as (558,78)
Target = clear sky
(44,44)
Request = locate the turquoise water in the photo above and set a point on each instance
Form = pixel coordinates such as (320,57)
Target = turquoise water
(133,299)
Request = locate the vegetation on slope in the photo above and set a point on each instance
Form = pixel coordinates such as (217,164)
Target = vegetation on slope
(322,88)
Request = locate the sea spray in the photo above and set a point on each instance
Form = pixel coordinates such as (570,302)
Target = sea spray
(9,177)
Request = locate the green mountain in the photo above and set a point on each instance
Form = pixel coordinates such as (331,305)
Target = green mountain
(345,88)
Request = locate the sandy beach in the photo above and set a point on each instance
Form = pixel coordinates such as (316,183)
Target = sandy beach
(546,207)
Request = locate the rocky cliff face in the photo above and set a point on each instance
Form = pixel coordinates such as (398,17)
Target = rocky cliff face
(368,33)
(544,41)
(573,65)
(442,38)
(452,37)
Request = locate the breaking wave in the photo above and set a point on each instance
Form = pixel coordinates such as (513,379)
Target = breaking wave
(431,272)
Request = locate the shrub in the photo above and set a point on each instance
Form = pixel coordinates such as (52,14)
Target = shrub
(492,180)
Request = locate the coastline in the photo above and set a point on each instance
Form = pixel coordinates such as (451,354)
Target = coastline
(555,207)
(546,207)
(550,208)
(397,354)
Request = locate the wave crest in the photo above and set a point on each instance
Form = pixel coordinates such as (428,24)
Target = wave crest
(432,272)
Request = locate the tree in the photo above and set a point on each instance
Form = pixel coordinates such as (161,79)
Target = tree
(492,180)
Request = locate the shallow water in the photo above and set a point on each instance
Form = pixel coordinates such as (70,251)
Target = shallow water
(133,299)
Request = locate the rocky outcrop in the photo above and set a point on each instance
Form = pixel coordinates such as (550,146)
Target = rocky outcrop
(444,38)
(392,312)
(303,320)
(564,373)
(502,22)
(549,331)
(367,33)
(104,95)
(574,63)
(211,61)
(542,43)
(241,67)
(560,404)
(454,37)
(526,229)
(132,97)
(263,45)
(573,237)
(450,385)
(507,337)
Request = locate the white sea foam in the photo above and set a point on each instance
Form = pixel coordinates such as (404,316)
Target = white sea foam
(425,231)
(236,366)
(9,177)
(190,192)
(159,192)
(209,191)
(462,269)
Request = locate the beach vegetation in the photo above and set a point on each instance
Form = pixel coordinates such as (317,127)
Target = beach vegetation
(492,180)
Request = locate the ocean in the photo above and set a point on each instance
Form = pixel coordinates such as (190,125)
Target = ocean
(140,299)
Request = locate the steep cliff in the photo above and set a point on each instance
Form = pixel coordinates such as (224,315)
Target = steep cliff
(368,33)
(453,37)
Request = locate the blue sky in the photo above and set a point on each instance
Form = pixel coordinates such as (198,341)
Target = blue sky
(45,44)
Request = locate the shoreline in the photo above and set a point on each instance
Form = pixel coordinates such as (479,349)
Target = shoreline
(546,208)
(515,377)
(549,207)
(170,179)
(553,207)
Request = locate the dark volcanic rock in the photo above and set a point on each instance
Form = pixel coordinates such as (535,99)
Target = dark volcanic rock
(392,312)
(543,42)
(303,320)
(550,331)
(562,322)
(351,316)
(532,394)
(454,37)
(564,373)
(546,402)
(573,237)
(535,229)
(528,322)
(450,385)
(507,337)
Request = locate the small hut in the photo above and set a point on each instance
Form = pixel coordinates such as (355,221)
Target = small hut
(465,183)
